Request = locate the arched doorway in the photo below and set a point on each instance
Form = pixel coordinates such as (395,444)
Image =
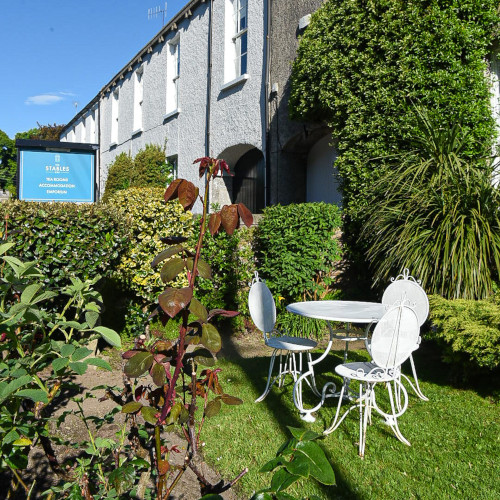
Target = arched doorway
(248,181)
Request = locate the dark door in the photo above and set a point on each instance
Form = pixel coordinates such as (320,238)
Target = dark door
(248,181)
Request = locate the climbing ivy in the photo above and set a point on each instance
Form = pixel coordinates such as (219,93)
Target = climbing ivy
(362,63)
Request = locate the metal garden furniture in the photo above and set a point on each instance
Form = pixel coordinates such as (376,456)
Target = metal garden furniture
(263,312)
(342,311)
(405,287)
(393,340)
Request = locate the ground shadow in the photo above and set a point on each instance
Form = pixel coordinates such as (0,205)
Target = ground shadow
(256,369)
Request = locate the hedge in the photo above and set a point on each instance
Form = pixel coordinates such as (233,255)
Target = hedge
(297,248)
(468,330)
(65,239)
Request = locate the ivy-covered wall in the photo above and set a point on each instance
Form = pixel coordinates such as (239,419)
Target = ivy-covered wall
(362,63)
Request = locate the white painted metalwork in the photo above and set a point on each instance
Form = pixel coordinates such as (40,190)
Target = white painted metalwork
(342,311)
(393,341)
(263,312)
(407,287)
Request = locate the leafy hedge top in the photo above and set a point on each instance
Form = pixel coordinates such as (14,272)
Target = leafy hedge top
(65,239)
(149,219)
(296,245)
(362,62)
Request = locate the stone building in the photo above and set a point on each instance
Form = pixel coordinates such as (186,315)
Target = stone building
(214,82)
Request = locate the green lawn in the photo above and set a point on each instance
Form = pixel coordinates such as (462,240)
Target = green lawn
(455,437)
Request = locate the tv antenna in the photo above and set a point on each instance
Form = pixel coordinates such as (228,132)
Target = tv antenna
(75,104)
(155,12)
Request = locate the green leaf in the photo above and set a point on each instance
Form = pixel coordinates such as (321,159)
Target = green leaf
(91,317)
(4,247)
(36,395)
(80,353)
(282,480)
(171,269)
(272,464)
(11,436)
(213,408)
(231,400)
(67,350)
(29,292)
(210,337)
(149,414)
(100,363)
(78,367)
(320,467)
(131,407)
(158,374)
(303,434)
(166,254)
(110,336)
(22,442)
(14,385)
(204,357)
(198,309)
(262,495)
(138,364)
(204,269)
(59,364)
(300,465)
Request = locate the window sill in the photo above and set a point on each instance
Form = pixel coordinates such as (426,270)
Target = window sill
(137,132)
(171,114)
(239,80)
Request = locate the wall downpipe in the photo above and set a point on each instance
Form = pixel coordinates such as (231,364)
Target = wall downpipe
(209,85)
(267,176)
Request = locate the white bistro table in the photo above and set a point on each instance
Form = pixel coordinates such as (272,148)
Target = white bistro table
(340,311)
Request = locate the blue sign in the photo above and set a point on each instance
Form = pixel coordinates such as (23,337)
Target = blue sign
(56,176)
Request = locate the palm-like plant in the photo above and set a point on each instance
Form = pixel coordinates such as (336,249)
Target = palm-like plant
(437,213)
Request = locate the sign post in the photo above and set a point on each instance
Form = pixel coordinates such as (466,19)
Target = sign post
(56,171)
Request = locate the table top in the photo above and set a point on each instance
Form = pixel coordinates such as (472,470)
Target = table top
(348,311)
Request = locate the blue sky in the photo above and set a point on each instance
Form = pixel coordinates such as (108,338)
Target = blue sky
(56,53)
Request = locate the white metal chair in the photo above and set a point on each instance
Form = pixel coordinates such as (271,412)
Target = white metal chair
(406,287)
(263,312)
(392,342)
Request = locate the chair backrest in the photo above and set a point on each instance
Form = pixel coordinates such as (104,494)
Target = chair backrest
(405,287)
(394,337)
(261,305)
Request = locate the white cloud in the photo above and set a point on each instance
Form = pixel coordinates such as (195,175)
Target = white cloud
(45,99)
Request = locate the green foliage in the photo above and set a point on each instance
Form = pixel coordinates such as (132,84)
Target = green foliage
(468,330)
(149,220)
(298,459)
(297,248)
(230,258)
(66,240)
(120,175)
(437,213)
(43,132)
(41,348)
(8,161)
(148,169)
(360,65)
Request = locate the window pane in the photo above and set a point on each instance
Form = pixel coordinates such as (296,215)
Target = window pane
(243,64)
(243,44)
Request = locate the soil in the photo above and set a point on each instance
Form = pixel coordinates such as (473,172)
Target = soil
(247,345)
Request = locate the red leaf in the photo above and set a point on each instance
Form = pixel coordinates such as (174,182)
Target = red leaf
(214,223)
(245,214)
(225,167)
(187,194)
(173,240)
(229,218)
(223,313)
(128,354)
(204,164)
(173,300)
(171,192)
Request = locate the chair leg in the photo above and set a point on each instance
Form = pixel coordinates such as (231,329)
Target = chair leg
(416,388)
(269,384)
(336,420)
(392,420)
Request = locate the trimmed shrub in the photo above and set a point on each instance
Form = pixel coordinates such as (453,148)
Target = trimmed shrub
(120,175)
(468,330)
(148,169)
(65,239)
(297,249)
(149,219)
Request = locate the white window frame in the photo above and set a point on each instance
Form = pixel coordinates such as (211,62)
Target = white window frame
(138,100)
(115,108)
(236,35)
(173,77)
(92,127)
